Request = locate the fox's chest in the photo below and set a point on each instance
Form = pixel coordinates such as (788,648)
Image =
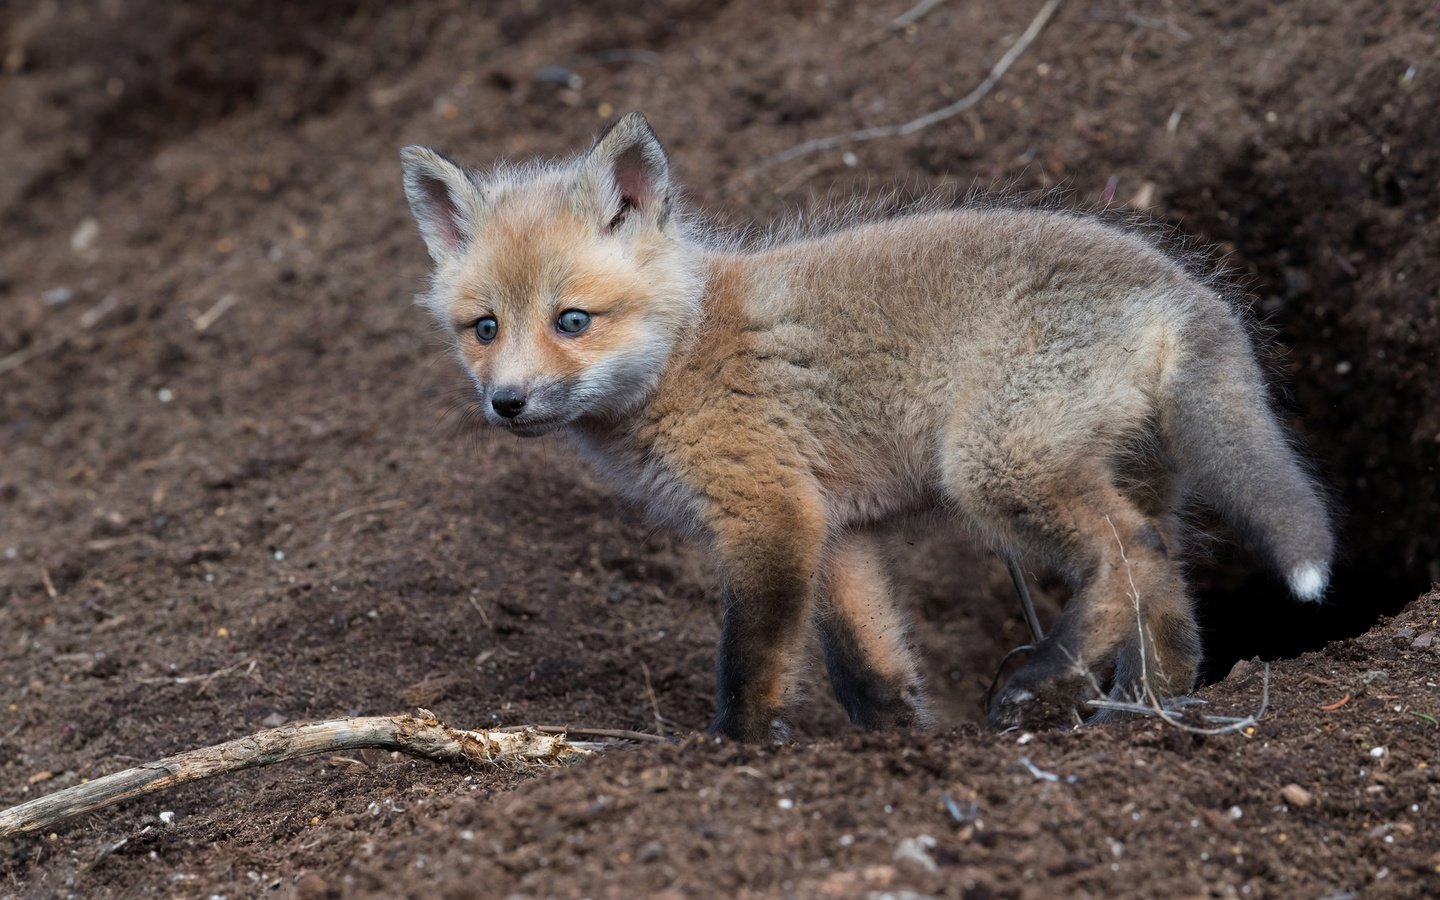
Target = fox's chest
(643,478)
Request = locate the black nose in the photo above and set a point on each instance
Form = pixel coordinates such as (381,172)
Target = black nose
(508,402)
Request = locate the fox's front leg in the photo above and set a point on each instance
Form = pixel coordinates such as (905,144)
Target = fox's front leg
(862,634)
(770,551)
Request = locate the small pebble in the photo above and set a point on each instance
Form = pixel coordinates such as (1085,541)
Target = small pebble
(1378,752)
(916,852)
(83,238)
(1295,795)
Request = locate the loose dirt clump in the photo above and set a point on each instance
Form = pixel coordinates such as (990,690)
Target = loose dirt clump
(236,487)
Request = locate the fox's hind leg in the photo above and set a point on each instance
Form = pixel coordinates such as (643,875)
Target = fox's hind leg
(863,635)
(1066,510)
(1160,661)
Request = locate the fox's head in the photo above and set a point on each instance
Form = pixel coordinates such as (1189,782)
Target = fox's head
(564,287)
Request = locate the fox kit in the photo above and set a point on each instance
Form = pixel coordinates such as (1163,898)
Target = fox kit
(1057,385)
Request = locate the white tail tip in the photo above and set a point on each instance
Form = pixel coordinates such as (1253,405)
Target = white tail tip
(1308,581)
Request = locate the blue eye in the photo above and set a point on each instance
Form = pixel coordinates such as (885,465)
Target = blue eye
(486,329)
(573,321)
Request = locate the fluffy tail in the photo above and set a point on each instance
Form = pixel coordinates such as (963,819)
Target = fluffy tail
(1232,451)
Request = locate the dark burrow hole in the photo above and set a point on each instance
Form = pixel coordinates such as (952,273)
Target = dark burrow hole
(1246,612)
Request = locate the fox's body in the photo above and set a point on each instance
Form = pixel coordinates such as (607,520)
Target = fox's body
(1055,384)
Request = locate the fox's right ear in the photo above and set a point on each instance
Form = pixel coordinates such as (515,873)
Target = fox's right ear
(626,171)
(445,201)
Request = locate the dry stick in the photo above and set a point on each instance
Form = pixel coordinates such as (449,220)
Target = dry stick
(419,735)
(654,701)
(1227,724)
(931,118)
(914,14)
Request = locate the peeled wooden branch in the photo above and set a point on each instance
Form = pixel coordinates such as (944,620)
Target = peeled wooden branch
(419,735)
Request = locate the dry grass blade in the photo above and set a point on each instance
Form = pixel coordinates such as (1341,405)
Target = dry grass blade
(1223,724)
(421,734)
(1153,705)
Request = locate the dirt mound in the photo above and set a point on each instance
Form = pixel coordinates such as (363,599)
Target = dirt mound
(234,490)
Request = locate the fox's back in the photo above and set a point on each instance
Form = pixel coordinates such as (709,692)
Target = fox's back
(878,336)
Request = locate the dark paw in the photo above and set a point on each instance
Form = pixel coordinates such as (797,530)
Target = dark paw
(893,708)
(1042,695)
(751,730)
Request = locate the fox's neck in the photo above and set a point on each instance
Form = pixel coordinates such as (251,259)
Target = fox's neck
(720,284)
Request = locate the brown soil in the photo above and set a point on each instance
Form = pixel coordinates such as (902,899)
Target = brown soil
(282,503)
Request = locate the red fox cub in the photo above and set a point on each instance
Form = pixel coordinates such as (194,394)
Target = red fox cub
(1057,385)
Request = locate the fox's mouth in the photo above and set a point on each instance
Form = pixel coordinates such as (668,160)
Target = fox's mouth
(532,427)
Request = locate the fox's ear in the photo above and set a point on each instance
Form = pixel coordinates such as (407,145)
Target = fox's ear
(626,172)
(445,201)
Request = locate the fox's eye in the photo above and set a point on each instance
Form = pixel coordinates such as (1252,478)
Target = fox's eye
(486,329)
(573,321)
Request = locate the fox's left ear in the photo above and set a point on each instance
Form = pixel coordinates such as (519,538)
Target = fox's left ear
(626,173)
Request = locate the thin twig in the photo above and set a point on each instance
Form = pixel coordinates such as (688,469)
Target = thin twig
(913,14)
(484,616)
(654,701)
(421,734)
(368,508)
(931,118)
(203,680)
(1042,775)
(1227,724)
(212,315)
